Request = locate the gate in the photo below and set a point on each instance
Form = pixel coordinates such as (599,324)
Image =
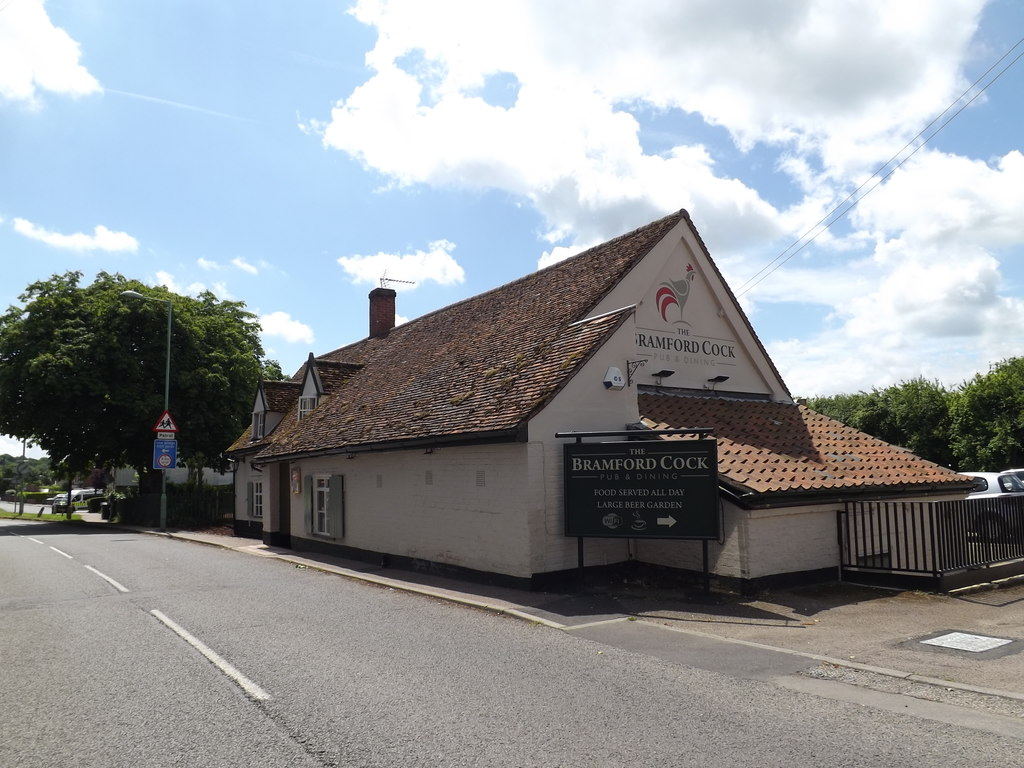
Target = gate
(931,545)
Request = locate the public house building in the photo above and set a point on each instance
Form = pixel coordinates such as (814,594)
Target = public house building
(615,409)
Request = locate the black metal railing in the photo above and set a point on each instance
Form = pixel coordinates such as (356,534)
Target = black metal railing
(944,543)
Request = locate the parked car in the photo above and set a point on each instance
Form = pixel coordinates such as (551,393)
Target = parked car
(995,483)
(77,495)
(1000,518)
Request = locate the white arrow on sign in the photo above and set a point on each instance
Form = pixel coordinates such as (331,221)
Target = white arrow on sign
(669,521)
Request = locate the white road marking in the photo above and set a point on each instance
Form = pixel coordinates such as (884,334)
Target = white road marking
(30,538)
(104,576)
(245,683)
(69,557)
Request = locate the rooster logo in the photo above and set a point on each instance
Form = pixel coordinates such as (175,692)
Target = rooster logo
(674,293)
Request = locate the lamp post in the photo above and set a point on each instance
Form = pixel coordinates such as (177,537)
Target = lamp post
(167,393)
(22,468)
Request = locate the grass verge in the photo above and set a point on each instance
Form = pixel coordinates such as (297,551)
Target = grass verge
(29,515)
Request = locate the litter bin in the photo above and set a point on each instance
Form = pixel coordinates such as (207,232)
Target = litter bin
(105,510)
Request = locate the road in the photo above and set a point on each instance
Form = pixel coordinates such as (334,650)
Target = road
(303,668)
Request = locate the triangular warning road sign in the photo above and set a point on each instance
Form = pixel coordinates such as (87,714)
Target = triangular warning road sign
(166,424)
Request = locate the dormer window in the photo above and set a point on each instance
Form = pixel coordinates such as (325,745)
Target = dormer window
(259,425)
(306,405)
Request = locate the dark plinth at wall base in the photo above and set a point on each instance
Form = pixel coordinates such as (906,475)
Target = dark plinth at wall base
(411,564)
(248,529)
(277,539)
(633,574)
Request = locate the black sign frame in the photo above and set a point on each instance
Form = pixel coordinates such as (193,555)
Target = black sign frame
(642,489)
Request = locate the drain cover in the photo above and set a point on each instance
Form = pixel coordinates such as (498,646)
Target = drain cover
(962,641)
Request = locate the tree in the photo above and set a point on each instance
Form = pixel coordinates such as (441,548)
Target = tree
(82,372)
(849,409)
(36,472)
(271,370)
(913,414)
(988,419)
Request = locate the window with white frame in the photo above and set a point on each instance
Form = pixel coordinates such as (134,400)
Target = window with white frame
(259,424)
(257,499)
(321,505)
(306,405)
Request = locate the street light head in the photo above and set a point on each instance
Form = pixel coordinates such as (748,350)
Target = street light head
(133,294)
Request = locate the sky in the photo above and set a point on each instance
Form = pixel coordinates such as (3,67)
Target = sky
(293,155)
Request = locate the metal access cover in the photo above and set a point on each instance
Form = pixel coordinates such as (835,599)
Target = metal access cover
(961,641)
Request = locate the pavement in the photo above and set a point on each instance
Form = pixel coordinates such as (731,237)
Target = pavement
(878,639)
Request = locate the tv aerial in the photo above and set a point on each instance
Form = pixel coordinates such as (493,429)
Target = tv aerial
(385,281)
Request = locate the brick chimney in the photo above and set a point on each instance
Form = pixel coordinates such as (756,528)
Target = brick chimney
(382,311)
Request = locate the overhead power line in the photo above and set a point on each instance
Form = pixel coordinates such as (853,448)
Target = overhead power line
(886,170)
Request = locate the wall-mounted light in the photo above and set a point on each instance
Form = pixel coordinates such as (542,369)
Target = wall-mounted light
(662,374)
(715,381)
(428,450)
(350,455)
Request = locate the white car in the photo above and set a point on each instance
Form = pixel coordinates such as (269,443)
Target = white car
(993,519)
(77,495)
(987,484)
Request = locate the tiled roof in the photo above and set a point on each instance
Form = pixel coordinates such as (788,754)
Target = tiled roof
(281,395)
(475,369)
(769,449)
(334,374)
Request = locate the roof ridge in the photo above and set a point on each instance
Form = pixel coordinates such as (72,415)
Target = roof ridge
(538,274)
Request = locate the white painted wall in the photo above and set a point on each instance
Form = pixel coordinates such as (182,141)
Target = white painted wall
(584,404)
(710,317)
(467,506)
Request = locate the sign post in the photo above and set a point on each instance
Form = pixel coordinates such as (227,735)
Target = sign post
(165,456)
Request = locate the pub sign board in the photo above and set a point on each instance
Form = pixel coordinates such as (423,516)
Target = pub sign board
(642,489)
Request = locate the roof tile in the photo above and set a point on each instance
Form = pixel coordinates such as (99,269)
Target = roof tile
(769,448)
(476,368)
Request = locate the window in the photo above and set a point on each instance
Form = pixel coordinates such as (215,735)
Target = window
(1010,483)
(321,505)
(257,499)
(306,405)
(324,497)
(259,424)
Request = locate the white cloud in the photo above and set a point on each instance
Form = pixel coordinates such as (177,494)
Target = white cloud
(407,270)
(282,325)
(245,266)
(102,239)
(838,84)
(912,283)
(939,196)
(168,281)
(931,298)
(209,266)
(37,56)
